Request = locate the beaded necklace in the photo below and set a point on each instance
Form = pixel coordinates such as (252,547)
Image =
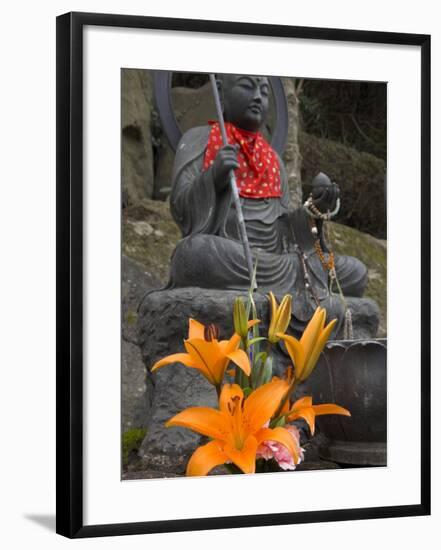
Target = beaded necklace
(328,263)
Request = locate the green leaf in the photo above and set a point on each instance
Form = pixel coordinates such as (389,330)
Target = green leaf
(267,371)
(259,358)
(258,362)
(254,340)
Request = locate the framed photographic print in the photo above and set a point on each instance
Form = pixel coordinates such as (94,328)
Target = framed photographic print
(243,290)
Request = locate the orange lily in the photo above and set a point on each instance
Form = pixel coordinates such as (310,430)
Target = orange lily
(303,408)
(280,317)
(237,428)
(305,352)
(208,355)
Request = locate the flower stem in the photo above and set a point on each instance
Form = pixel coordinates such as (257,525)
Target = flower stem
(268,347)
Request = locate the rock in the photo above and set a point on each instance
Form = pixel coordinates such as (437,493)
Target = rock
(150,248)
(142,229)
(135,395)
(365,318)
(291,156)
(136,390)
(163,325)
(175,389)
(137,150)
(135,282)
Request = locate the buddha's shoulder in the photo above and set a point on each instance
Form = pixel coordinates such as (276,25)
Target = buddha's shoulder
(194,139)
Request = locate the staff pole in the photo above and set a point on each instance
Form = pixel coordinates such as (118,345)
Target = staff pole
(235,192)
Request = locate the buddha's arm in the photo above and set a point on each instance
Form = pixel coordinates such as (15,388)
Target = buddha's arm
(195,204)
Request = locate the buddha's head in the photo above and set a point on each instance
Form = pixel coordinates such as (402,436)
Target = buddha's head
(245,100)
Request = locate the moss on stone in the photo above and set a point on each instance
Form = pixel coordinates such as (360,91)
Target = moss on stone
(131,441)
(131,318)
(373,253)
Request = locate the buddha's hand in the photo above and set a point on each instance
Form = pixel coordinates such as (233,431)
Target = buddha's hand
(225,161)
(325,196)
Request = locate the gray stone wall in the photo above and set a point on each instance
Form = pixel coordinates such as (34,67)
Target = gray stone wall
(136,149)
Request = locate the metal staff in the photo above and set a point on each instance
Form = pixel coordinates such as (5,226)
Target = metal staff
(240,220)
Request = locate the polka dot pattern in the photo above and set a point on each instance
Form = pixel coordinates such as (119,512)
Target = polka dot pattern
(258,175)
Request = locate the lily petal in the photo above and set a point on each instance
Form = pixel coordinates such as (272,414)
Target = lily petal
(307,414)
(284,313)
(202,420)
(313,327)
(240,358)
(183,358)
(228,393)
(195,329)
(273,305)
(295,351)
(205,458)
(330,408)
(280,317)
(201,350)
(227,346)
(302,402)
(311,335)
(262,404)
(318,348)
(206,355)
(286,408)
(245,459)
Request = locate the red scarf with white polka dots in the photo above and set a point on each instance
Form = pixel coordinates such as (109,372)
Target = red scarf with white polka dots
(258,176)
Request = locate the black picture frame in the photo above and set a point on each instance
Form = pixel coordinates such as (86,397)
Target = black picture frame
(69,292)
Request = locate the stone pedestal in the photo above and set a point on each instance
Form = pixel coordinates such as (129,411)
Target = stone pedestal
(162,327)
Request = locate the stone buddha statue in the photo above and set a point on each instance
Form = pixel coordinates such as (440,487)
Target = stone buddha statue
(288,244)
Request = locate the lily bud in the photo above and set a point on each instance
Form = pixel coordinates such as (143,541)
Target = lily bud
(280,316)
(305,352)
(240,318)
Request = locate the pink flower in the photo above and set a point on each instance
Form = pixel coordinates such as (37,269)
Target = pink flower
(272,449)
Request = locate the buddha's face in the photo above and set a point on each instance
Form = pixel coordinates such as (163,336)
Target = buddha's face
(246,100)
